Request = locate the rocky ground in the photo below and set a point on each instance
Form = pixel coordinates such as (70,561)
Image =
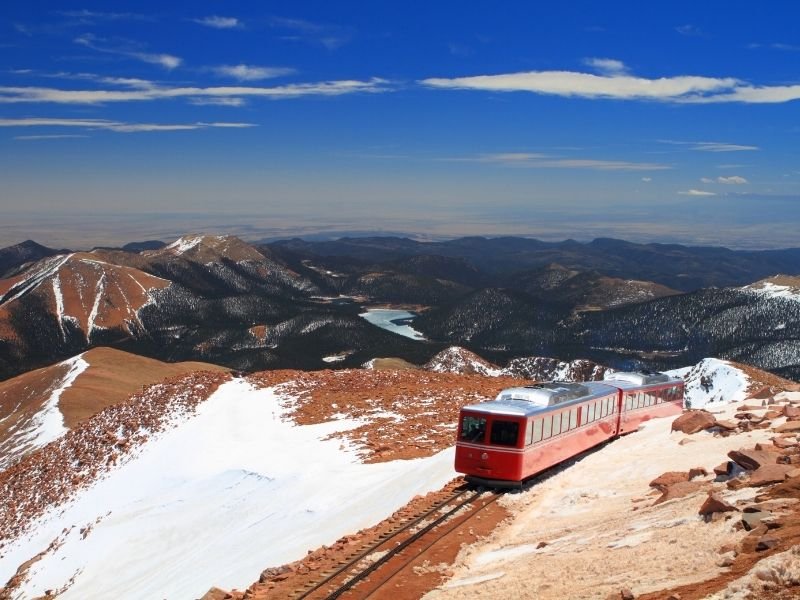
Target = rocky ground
(705,507)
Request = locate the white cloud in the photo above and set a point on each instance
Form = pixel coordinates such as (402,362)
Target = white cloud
(614,82)
(218,101)
(712,146)
(722,147)
(16,95)
(589,85)
(706,180)
(168,61)
(647,179)
(218,22)
(117,126)
(606,66)
(545,161)
(732,180)
(689,29)
(696,193)
(251,73)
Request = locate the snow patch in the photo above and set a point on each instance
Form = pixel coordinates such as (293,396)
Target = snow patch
(184,244)
(712,381)
(48,423)
(226,493)
(385,319)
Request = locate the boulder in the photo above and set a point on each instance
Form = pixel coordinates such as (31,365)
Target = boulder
(669,478)
(788,426)
(767,542)
(723,469)
(769,474)
(752,459)
(715,504)
(693,421)
(679,490)
(782,443)
(791,411)
(697,472)
(728,424)
(751,520)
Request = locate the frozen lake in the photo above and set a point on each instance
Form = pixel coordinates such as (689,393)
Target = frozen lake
(396,321)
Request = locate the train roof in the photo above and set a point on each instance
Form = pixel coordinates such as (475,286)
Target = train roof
(626,380)
(531,399)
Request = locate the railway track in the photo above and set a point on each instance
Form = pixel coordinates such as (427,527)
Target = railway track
(371,566)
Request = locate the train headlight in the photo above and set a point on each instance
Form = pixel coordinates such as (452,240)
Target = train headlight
(484,456)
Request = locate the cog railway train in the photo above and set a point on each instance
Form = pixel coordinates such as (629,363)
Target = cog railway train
(526,430)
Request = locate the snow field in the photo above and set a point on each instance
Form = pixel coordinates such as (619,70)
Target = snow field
(226,493)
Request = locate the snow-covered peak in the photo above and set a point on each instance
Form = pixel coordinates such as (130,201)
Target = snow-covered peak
(780,286)
(713,381)
(184,244)
(460,360)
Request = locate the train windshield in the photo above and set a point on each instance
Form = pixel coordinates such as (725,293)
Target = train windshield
(505,433)
(473,429)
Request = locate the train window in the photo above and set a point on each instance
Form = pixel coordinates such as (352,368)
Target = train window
(537,430)
(473,429)
(573,418)
(628,401)
(505,433)
(528,433)
(606,406)
(546,427)
(613,404)
(556,424)
(591,412)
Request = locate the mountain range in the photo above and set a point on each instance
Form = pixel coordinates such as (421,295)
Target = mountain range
(296,304)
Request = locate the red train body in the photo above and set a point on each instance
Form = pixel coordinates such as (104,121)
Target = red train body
(526,430)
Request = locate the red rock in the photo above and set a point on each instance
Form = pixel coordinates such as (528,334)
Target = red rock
(782,443)
(626,594)
(791,411)
(727,424)
(697,472)
(762,447)
(767,542)
(722,468)
(680,490)
(669,478)
(693,421)
(752,459)
(788,426)
(769,474)
(761,393)
(715,504)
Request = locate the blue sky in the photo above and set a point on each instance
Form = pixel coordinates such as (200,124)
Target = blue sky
(676,123)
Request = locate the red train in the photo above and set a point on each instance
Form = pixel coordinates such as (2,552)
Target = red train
(526,430)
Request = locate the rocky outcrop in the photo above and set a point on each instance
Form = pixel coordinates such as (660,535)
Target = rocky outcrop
(694,421)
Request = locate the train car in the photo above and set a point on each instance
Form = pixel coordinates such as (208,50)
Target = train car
(526,430)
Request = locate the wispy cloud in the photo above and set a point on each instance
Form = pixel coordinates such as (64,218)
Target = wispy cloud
(697,193)
(116,126)
(168,61)
(690,30)
(712,146)
(647,179)
(776,46)
(615,83)
(16,95)
(331,37)
(251,73)
(546,161)
(87,16)
(49,137)
(732,180)
(233,102)
(218,22)
(606,66)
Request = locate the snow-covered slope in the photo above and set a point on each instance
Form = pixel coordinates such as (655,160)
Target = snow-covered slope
(31,420)
(460,360)
(214,500)
(543,368)
(713,381)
